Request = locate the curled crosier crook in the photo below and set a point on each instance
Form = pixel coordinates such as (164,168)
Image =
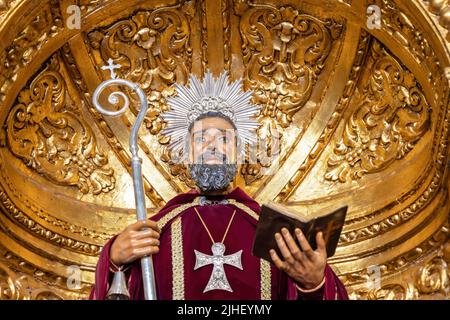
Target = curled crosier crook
(113,99)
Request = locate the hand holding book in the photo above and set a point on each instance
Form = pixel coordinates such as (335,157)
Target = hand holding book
(297,245)
(303,264)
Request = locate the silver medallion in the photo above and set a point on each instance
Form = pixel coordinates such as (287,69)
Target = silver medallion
(218,279)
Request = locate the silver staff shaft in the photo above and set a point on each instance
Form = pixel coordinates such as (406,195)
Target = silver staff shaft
(148,275)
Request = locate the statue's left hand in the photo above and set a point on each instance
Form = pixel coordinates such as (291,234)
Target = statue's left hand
(306,266)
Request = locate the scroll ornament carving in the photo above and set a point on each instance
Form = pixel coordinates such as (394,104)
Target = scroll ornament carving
(391,117)
(153,49)
(49,135)
(284,51)
(432,278)
(23,49)
(14,286)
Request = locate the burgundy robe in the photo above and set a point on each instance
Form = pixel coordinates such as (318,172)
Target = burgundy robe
(182,232)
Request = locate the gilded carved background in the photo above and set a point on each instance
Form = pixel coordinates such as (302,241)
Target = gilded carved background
(352,114)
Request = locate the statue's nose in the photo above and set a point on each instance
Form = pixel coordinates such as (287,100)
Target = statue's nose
(211,146)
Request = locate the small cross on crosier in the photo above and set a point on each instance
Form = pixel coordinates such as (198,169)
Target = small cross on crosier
(111,66)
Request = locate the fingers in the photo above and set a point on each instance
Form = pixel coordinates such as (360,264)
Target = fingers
(142,252)
(145,243)
(149,233)
(304,244)
(138,225)
(293,247)
(277,261)
(321,245)
(284,249)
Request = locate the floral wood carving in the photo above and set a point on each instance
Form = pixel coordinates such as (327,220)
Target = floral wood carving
(392,115)
(49,134)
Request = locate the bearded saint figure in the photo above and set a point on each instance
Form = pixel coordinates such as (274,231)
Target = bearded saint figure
(201,241)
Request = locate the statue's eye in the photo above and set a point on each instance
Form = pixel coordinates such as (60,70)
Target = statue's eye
(199,139)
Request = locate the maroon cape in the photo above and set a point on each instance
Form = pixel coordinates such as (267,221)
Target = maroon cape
(182,232)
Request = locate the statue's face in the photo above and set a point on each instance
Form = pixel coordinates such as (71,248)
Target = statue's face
(213,141)
(212,153)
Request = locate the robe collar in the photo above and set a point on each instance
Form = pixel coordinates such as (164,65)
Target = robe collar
(237,194)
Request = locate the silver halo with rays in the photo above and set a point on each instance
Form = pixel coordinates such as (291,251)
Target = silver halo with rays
(210,94)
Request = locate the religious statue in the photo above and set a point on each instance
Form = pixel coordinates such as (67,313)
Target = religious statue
(200,242)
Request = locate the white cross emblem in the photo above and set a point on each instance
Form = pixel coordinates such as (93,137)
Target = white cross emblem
(218,279)
(111,66)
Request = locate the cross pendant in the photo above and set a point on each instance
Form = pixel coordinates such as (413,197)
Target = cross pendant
(218,279)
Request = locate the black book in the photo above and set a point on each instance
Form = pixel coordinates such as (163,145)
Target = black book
(274,217)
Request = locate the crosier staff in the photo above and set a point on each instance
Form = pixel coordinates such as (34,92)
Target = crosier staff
(148,276)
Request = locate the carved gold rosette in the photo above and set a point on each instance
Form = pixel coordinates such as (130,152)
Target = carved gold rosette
(353,112)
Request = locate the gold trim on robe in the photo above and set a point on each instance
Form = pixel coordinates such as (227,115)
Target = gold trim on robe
(266,286)
(177,260)
(244,208)
(172,214)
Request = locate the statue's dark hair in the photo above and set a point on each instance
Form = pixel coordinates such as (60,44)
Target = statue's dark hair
(211,114)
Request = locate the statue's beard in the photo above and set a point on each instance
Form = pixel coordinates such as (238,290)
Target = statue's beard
(212,177)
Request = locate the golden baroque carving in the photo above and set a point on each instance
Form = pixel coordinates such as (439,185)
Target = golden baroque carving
(177,168)
(397,23)
(226,12)
(284,52)
(27,43)
(434,277)
(327,134)
(394,220)
(204,39)
(6,5)
(19,287)
(38,229)
(33,226)
(50,136)
(423,278)
(392,115)
(88,6)
(153,49)
(20,280)
(407,259)
(441,8)
(393,291)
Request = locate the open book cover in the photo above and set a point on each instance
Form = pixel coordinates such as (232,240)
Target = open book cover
(274,217)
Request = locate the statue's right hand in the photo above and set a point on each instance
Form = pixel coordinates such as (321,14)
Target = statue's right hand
(134,243)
